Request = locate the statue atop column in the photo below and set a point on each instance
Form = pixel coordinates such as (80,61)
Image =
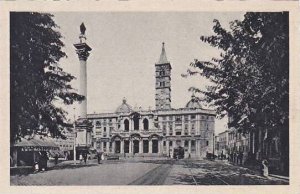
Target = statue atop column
(82,28)
(82,36)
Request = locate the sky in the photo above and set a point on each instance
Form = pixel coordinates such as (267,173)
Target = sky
(126,46)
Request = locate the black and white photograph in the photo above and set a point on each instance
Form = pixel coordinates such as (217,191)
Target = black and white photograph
(130,98)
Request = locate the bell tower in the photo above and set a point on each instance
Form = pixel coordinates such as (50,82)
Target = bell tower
(163,82)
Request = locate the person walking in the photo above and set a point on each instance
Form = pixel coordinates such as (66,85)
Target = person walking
(56,159)
(99,157)
(265,168)
(80,158)
(85,157)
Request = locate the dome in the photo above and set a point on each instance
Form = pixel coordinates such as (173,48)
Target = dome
(193,103)
(124,107)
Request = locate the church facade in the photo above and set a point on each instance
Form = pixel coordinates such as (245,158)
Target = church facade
(135,132)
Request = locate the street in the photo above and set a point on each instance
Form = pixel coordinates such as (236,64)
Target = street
(147,172)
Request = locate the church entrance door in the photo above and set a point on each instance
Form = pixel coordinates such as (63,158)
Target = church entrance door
(135,146)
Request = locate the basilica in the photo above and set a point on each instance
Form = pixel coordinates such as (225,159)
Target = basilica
(136,132)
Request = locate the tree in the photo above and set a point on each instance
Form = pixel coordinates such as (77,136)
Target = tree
(251,76)
(37,82)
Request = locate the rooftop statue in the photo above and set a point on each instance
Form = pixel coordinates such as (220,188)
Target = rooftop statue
(82,28)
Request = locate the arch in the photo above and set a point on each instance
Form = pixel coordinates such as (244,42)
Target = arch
(154,136)
(126,125)
(146,124)
(116,137)
(135,136)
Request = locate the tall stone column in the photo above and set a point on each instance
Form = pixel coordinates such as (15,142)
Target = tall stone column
(113,147)
(107,146)
(82,50)
(159,146)
(130,146)
(102,146)
(122,147)
(150,146)
(168,147)
(141,146)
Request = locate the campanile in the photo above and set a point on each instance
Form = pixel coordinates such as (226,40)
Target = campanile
(163,82)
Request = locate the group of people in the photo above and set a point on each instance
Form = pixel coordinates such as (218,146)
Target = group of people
(83,157)
(236,158)
(41,160)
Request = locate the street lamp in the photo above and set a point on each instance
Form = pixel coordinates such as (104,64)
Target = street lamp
(75,134)
(213,145)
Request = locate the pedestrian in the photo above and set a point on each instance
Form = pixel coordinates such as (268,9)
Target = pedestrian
(84,157)
(99,157)
(43,161)
(265,168)
(80,158)
(241,158)
(56,159)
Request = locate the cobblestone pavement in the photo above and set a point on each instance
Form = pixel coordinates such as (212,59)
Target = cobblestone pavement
(204,172)
(146,172)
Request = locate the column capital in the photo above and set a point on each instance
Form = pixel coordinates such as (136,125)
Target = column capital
(82,50)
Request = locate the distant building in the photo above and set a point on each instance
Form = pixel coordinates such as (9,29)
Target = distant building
(136,132)
(223,143)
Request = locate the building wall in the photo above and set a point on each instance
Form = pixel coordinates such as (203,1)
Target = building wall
(191,129)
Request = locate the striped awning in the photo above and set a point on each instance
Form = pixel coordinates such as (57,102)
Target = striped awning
(37,143)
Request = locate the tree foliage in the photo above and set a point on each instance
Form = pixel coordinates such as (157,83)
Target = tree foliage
(251,76)
(37,81)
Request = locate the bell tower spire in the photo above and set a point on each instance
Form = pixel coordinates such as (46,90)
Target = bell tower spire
(163,82)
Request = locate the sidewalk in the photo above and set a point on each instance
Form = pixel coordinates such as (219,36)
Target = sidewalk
(256,169)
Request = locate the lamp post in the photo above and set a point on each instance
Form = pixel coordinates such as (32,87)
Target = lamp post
(213,145)
(75,134)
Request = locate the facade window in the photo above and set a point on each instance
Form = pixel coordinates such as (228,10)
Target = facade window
(178,118)
(164,143)
(186,143)
(178,133)
(171,143)
(186,117)
(104,129)
(192,132)
(98,123)
(193,116)
(164,118)
(136,122)
(186,126)
(193,143)
(193,126)
(126,125)
(146,124)
(207,143)
(186,132)
(170,118)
